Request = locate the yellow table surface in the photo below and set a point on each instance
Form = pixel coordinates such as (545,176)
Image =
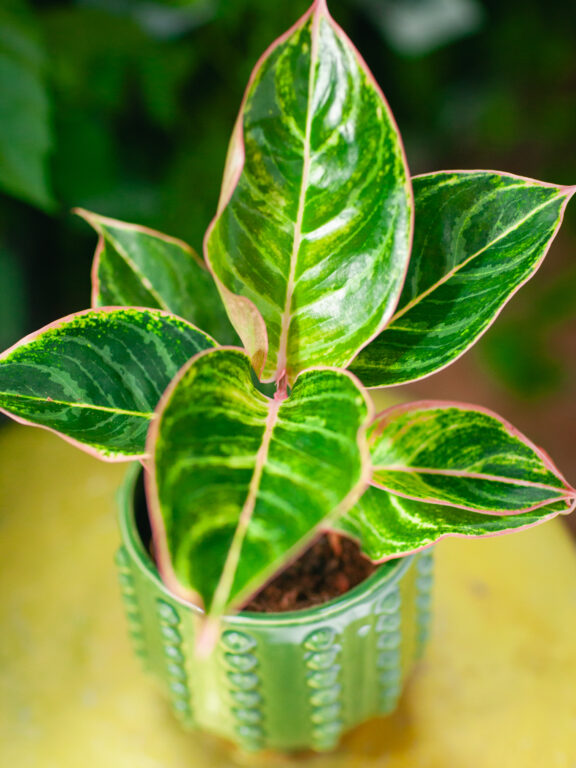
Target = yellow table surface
(496,689)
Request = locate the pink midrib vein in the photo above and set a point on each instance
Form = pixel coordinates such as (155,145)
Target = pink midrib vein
(225,584)
(464,263)
(287,314)
(474,476)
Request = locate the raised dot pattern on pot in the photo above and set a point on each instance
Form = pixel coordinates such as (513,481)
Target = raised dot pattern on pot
(424,582)
(131,607)
(243,682)
(322,654)
(175,662)
(388,631)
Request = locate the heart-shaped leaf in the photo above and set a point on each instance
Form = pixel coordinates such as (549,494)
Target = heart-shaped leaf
(311,240)
(96,377)
(138,267)
(389,526)
(240,483)
(463,456)
(478,237)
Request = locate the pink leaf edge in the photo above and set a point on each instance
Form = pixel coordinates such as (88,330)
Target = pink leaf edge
(159,536)
(94,218)
(385,416)
(235,164)
(31,337)
(569,191)
(454,535)
(164,564)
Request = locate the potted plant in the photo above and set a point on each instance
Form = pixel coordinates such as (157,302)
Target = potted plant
(338,273)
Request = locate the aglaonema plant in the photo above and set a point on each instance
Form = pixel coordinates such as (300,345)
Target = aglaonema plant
(338,273)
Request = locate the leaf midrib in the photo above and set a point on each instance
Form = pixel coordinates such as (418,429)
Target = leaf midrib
(417,299)
(135,269)
(562,492)
(88,406)
(224,588)
(282,360)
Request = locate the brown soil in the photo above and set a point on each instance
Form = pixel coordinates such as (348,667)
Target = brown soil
(328,569)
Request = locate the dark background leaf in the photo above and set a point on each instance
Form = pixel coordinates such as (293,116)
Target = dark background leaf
(25,119)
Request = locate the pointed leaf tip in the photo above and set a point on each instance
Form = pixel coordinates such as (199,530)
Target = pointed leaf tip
(449,469)
(387,526)
(472,229)
(137,266)
(329,238)
(83,377)
(464,456)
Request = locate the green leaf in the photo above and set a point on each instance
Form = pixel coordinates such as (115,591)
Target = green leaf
(311,240)
(478,237)
(463,456)
(96,377)
(241,482)
(138,267)
(386,525)
(25,123)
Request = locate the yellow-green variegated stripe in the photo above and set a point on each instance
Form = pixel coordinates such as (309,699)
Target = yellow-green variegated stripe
(478,237)
(138,267)
(96,377)
(463,456)
(387,526)
(240,482)
(310,244)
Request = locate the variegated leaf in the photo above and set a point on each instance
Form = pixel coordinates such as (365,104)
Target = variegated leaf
(463,456)
(96,377)
(138,267)
(478,237)
(311,240)
(240,482)
(387,526)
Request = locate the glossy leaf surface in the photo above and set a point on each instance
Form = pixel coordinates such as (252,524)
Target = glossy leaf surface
(463,456)
(311,240)
(240,481)
(478,236)
(138,267)
(386,525)
(97,376)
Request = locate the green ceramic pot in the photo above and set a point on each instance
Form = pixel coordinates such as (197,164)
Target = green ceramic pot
(284,681)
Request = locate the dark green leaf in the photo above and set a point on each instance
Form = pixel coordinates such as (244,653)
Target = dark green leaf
(241,482)
(478,236)
(311,240)
(464,456)
(97,376)
(138,267)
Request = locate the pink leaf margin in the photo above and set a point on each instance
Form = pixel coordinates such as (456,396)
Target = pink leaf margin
(31,337)
(408,185)
(386,416)
(96,221)
(246,310)
(569,191)
(455,535)
(164,563)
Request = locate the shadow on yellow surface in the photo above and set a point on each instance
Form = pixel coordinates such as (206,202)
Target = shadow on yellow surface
(496,689)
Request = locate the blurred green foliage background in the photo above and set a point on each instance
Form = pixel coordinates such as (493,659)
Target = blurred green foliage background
(125,107)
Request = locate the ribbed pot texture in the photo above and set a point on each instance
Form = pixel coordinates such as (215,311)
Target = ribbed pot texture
(282,681)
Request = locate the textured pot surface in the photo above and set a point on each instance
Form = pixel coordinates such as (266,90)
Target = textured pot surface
(283,681)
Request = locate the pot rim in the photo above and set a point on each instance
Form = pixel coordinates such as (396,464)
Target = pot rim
(389,572)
